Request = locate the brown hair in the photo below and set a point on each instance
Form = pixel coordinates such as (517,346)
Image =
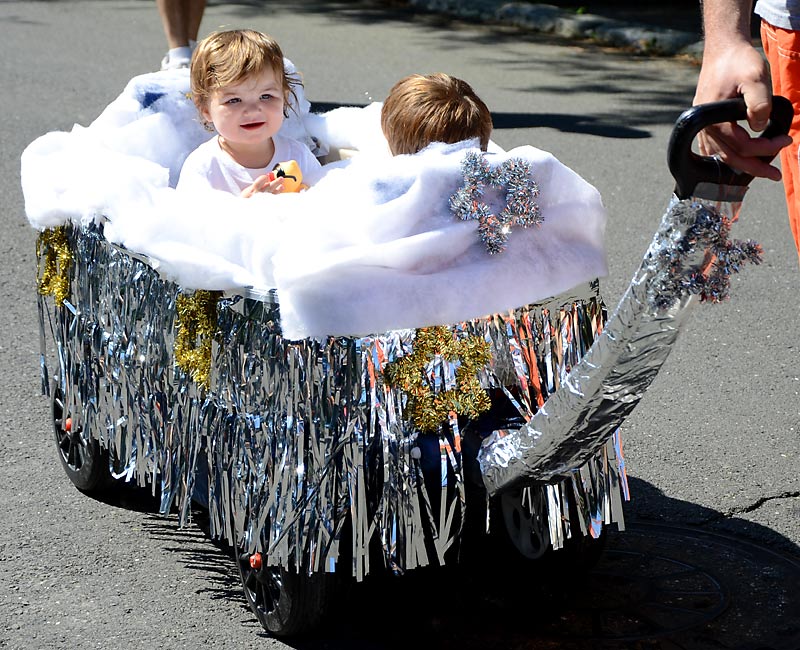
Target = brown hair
(421,109)
(225,58)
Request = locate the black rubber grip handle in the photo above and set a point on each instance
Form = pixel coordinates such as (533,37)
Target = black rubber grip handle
(688,168)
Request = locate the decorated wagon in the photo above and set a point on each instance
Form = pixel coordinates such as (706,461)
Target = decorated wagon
(378,391)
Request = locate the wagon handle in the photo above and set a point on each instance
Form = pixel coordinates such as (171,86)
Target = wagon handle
(689,169)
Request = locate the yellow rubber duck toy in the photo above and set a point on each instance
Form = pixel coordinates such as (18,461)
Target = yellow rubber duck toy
(291,174)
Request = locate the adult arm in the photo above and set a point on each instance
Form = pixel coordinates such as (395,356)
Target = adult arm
(732,67)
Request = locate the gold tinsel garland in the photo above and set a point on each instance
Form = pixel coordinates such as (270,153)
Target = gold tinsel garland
(195,328)
(54,258)
(428,409)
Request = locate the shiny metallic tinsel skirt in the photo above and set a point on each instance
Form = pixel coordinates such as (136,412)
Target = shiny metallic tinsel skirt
(315,452)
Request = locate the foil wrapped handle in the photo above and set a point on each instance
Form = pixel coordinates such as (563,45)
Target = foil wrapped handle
(690,169)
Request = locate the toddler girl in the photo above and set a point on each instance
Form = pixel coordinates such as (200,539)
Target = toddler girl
(241,89)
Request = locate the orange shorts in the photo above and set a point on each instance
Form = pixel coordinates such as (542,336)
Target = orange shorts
(782,48)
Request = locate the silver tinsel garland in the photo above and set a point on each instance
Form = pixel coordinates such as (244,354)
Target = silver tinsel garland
(513,177)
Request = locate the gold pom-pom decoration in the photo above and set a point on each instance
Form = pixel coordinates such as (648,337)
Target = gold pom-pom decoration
(195,328)
(54,259)
(426,371)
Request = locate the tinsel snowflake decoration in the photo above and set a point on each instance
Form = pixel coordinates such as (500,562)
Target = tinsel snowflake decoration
(520,210)
(709,230)
(437,353)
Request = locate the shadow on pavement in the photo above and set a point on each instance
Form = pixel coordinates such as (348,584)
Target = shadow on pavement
(585,124)
(582,75)
(656,586)
(649,505)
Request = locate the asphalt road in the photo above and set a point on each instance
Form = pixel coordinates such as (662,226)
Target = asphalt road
(712,446)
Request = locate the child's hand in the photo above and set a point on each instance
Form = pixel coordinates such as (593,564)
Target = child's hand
(265,183)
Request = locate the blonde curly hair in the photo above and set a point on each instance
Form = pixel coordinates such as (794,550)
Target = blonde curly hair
(227,57)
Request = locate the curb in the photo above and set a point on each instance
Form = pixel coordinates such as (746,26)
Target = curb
(549,19)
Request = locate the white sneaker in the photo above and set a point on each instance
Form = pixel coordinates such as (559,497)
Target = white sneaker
(180,57)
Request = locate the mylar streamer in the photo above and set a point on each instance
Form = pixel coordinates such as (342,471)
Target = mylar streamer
(294,443)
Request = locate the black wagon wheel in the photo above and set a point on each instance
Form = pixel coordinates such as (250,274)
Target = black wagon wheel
(285,603)
(84,461)
(527,531)
(523,539)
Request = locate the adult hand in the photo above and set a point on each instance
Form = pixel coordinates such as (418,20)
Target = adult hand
(739,69)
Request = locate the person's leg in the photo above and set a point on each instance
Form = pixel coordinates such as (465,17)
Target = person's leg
(173,21)
(782,48)
(194,10)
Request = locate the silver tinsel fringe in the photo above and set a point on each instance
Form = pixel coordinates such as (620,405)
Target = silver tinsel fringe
(301,449)
(689,259)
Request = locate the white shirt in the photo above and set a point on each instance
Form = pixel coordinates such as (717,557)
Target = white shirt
(780,13)
(209,166)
